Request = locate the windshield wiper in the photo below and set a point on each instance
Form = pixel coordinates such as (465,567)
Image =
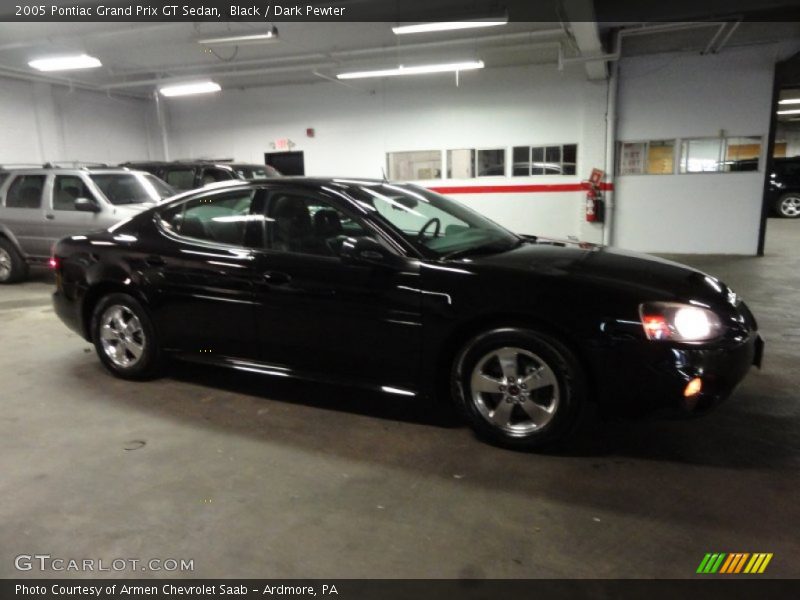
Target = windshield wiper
(489,248)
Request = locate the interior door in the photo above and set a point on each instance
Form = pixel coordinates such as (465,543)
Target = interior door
(321,316)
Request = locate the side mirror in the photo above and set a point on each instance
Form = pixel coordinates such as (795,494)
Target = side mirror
(367,251)
(86,205)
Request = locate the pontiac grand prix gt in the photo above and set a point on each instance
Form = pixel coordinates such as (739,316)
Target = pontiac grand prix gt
(396,288)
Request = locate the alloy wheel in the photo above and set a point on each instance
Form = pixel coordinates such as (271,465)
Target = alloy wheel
(122,336)
(515,390)
(790,207)
(5,264)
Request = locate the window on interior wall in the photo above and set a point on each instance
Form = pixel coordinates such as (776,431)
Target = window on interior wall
(415,165)
(654,157)
(715,155)
(544,160)
(468,163)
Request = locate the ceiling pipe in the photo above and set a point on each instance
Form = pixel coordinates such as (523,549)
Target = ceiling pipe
(14,73)
(714,39)
(632,31)
(728,35)
(380,50)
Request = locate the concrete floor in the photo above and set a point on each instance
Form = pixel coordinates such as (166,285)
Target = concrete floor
(252,477)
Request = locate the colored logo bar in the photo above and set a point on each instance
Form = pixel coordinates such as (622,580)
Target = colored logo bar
(734,563)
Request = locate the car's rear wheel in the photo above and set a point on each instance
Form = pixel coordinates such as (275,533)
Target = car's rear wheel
(13,267)
(519,388)
(125,338)
(788,206)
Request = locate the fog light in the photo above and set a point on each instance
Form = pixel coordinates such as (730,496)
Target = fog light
(694,387)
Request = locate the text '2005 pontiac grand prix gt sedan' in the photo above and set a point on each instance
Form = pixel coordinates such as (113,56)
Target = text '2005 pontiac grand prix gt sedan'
(394,287)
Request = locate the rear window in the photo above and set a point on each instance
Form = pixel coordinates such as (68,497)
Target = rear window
(255,171)
(25,192)
(182,179)
(124,188)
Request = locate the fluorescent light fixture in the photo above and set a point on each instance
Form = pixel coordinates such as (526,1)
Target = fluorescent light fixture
(790,101)
(188,89)
(418,70)
(449,25)
(794,111)
(237,40)
(65,63)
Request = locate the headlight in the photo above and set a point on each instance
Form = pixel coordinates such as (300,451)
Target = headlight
(679,322)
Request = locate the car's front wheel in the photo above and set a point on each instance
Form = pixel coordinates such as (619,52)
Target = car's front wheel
(519,388)
(788,206)
(125,338)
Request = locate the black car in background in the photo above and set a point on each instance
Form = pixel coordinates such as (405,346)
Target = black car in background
(189,175)
(783,193)
(399,289)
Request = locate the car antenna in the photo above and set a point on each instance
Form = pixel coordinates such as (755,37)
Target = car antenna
(383,172)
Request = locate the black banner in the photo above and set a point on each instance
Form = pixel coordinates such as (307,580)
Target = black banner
(608,11)
(730,588)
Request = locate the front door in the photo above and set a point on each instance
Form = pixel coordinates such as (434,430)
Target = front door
(323,317)
(61,218)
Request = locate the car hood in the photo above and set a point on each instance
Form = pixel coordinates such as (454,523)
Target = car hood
(640,273)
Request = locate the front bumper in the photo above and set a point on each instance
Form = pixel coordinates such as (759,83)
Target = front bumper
(641,377)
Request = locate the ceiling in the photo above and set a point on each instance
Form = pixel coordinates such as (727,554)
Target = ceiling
(137,57)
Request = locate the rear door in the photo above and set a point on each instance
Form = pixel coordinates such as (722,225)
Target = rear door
(61,218)
(203,267)
(23,213)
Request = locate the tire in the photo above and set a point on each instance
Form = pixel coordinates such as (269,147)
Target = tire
(540,406)
(788,206)
(13,267)
(125,339)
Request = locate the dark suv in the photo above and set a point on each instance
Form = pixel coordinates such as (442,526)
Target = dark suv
(783,193)
(188,175)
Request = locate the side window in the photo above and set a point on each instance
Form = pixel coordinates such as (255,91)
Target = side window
(307,225)
(25,192)
(67,189)
(181,178)
(3,177)
(212,175)
(221,218)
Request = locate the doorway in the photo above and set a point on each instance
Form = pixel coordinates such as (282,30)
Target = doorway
(780,214)
(287,163)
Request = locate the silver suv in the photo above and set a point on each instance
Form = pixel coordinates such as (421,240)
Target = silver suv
(40,206)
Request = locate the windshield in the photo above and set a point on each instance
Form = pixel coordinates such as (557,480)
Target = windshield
(130,188)
(433,223)
(255,171)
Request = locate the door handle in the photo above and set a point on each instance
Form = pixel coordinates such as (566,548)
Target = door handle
(277,277)
(155,261)
(49,217)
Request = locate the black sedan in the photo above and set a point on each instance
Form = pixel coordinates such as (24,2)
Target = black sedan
(396,288)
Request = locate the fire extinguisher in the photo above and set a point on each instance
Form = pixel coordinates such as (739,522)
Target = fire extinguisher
(594,206)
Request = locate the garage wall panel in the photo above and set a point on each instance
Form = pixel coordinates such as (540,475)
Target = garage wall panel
(685,95)
(355,128)
(41,122)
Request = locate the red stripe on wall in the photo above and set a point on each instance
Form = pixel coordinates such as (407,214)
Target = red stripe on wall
(519,189)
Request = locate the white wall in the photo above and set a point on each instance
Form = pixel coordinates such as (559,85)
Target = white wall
(355,129)
(676,95)
(41,123)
